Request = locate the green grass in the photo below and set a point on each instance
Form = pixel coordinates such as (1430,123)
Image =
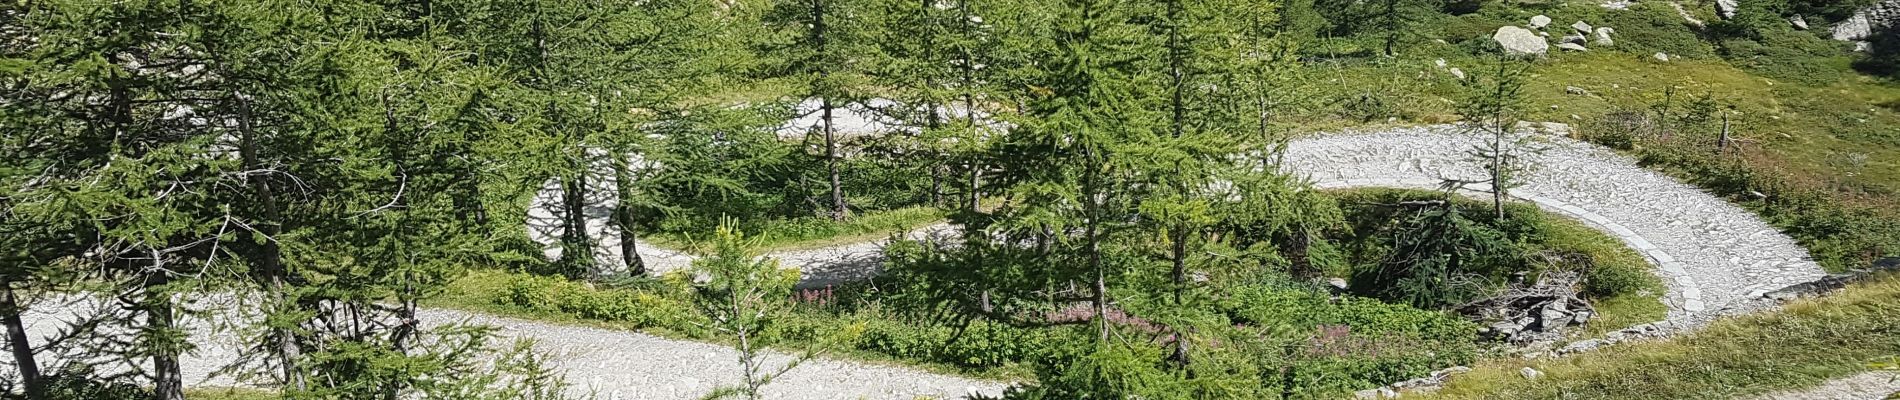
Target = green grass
(1616,312)
(813,232)
(1805,344)
(229,394)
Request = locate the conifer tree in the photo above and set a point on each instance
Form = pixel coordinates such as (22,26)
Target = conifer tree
(1491,109)
(1078,157)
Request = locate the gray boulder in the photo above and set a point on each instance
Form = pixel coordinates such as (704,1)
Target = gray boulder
(1573,38)
(1581,28)
(1799,22)
(1520,41)
(1865,21)
(1540,21)
(1530,373)
(1727,8)
(1661,56)
(1572,47)
(1603,37)
(1458,73)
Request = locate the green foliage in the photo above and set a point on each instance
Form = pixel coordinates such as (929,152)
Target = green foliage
(1826,338)
(558,296)
(1525,242)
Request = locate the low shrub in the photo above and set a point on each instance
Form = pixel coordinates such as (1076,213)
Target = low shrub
(642,309)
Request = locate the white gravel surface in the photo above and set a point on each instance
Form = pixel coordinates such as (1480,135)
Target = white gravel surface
(1717,259)
(607,364)
(1876,385)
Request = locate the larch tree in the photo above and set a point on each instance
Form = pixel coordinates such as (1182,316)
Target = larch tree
(1491,108)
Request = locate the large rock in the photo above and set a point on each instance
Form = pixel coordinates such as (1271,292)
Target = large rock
(1863,23)
(1540,21)
(1581,27)
(1799,22)
(1603,37)
(1727,8)
(1520,41)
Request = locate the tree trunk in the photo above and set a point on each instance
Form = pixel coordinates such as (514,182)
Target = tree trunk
(623,217)
(268,256)
(168,382)
(1391,32)
(1721,143)
(579,251)
(404,332)
(1094,249)
(824,91)
(1497,169)
(18,342)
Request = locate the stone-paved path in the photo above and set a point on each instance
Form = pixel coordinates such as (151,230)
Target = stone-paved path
(607,364)
(1717,259)
(1875,385)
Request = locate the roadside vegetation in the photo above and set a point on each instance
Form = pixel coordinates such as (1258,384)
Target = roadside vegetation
(1804,344)
(343,164)
(1364,338)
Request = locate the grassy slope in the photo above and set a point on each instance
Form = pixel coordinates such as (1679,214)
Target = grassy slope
(1807,343)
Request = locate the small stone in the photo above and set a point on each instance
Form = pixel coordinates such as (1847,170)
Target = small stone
(1660,56)
(1540,21)
(1799,22)
(1530,373)
(1572,47)
(1368,394)
(1584,345)
(1581,27)
(1603,37)
(1550,320)
(1458,73)
(1577,39)
(1727,8)
(1440,62)
(1337,283)
(1575,91)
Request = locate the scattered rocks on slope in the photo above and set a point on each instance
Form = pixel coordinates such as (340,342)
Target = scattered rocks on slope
(1865,21)
(1520,41)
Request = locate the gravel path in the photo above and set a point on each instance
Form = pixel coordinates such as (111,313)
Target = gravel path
(1876,385)
(609,364)
(1716,258)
